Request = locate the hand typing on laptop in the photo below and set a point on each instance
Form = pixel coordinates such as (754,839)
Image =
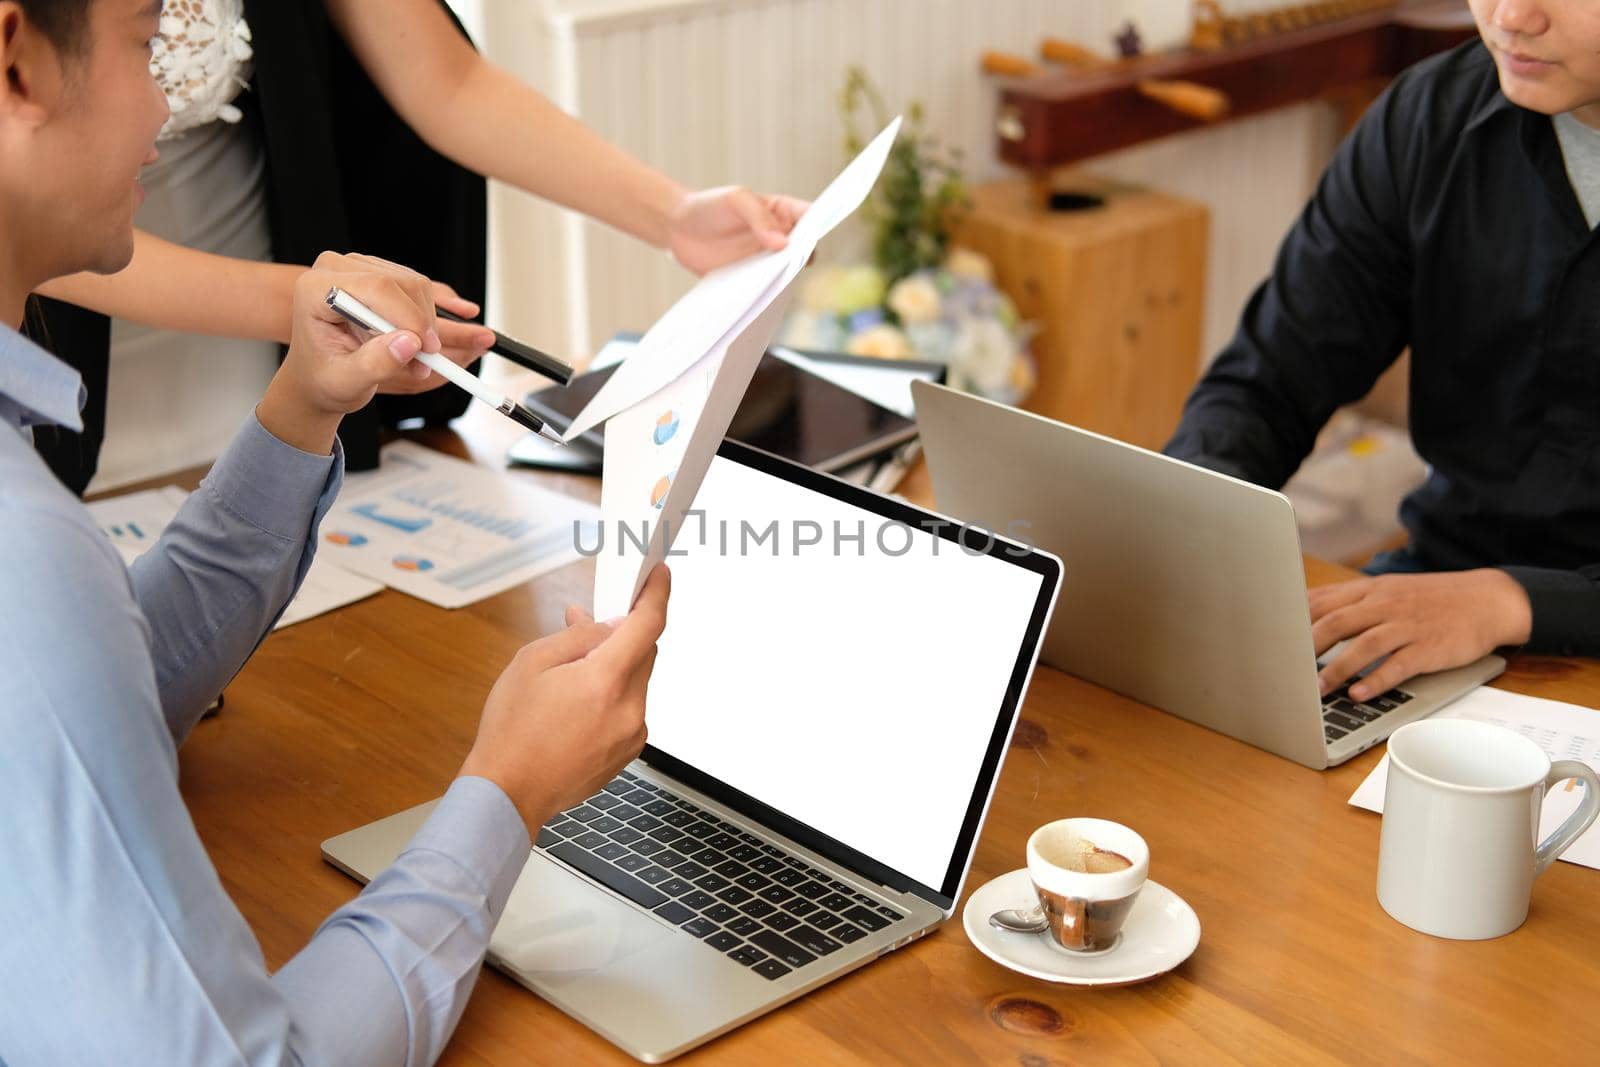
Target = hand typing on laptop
(568,713)
(1415,623)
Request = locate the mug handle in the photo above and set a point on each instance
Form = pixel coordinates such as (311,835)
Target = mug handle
(1578,821)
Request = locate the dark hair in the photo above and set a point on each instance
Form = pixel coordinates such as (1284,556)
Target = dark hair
(64,22)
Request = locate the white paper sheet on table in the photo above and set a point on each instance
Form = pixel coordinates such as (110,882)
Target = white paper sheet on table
(1564,731)
(134,522)
(449,532)
(669,405)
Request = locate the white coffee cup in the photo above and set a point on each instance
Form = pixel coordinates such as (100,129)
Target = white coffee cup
(1460,847)
(1086,909)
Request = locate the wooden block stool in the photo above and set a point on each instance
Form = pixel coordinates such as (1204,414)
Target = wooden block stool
(1117,293)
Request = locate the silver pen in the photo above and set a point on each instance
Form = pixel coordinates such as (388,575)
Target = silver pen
(361,315)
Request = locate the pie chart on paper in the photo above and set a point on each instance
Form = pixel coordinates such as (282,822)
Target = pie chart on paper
(658,494)
(666,427)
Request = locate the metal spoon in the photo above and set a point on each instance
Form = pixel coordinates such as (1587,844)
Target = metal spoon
(1020,920)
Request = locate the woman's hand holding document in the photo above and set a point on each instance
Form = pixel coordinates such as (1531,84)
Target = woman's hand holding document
(669,405)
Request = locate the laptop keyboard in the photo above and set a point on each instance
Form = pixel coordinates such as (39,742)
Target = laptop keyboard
(741,896)
(1341,715)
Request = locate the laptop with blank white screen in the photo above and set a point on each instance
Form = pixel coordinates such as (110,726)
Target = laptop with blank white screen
(1185,588)
(831,704)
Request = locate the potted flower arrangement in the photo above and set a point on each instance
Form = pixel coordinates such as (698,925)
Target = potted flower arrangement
(920,297)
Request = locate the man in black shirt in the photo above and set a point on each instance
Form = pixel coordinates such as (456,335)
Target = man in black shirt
(1448,222)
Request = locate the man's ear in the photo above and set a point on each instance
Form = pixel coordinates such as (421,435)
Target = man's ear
(33,79)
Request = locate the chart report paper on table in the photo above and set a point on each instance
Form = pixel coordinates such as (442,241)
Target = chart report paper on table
(669,405)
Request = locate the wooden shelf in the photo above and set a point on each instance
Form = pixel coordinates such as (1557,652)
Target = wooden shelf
(1061,117)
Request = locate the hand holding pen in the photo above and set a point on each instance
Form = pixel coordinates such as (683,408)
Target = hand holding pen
(460,338)
(360,315)
(331,370)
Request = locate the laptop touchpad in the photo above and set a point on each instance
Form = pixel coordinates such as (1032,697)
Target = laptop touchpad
(556,924)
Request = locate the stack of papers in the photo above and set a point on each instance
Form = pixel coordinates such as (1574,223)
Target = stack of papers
(1564,731)
(134,522)
(427,524)
(669,405)
(449,532)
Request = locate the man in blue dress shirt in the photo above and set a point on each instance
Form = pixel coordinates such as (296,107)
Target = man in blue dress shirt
(120,945)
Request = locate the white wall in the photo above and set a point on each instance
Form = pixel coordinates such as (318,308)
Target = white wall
(718,91)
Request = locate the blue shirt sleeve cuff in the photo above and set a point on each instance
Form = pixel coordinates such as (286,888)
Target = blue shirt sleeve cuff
(272,485)
(477,826)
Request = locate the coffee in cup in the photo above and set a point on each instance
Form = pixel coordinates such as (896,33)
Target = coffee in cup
(1087,874)
(1085,857)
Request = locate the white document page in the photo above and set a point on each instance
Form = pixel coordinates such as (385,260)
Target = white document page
(701,319)
(134,522)
(324,588)
(1564,731)
(674,397)
(656,454)
(450,532)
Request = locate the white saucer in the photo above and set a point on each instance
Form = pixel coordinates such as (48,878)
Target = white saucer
(1160,932)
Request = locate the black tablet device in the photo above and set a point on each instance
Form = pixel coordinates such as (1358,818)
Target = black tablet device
(787,411)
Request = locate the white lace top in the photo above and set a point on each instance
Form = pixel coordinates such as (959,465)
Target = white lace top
(202,60)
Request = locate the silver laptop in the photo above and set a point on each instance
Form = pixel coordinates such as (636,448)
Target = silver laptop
(1184,589)
(830,707)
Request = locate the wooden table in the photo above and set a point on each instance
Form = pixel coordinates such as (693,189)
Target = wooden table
(340,720)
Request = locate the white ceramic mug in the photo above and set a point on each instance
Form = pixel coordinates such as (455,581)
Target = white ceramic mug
(1460,846)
